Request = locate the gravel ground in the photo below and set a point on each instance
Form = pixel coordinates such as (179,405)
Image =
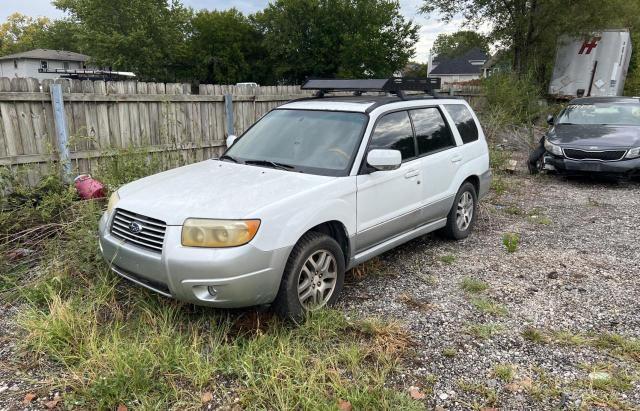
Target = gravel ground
(575,270)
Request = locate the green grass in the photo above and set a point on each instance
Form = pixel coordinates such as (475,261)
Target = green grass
(504,372)
(534,335)
(111,342)
(484,331)
(489,396)
(473,285)
(489,306)
(607,378)
(449,352)
(511,242)
(537,216)
(447,259)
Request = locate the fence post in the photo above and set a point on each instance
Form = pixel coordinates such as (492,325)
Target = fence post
(228,108)
(61,130)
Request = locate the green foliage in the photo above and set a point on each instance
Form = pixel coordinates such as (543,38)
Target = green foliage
(632,85)
(225,48)
(448,259)
(534,335)
(488,306)
(504,372)
(511,241)
(147,37)
(413,69)
(21,33)
(473,285)
(342,38)
(512,99)
(449,46)
(484,331)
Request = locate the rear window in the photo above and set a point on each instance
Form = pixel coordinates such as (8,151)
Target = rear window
(465,123)
(432,132)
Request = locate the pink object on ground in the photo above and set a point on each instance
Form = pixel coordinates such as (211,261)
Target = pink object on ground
(88,188)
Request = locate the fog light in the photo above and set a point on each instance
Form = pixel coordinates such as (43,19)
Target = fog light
(212,291)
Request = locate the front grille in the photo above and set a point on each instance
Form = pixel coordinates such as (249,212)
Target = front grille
(150,236)
(606,155)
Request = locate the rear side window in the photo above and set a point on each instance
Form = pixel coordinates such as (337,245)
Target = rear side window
(464,122)
(393,131)
(432,132)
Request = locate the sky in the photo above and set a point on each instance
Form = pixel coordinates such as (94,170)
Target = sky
(430,27)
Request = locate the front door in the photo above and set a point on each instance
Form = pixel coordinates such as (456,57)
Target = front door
(388,202)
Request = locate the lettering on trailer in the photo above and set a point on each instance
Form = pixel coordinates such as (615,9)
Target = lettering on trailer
(589,45)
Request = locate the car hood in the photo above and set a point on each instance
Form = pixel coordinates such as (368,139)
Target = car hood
(213,189)
(595,136)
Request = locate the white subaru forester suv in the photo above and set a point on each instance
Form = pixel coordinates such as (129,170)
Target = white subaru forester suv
(315,187)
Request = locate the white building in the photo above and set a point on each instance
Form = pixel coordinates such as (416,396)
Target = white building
(26,64)
(460,69)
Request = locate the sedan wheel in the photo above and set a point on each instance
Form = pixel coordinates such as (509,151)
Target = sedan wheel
(317,280)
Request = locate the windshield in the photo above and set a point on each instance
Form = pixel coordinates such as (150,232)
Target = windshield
(620,114)
(317,142)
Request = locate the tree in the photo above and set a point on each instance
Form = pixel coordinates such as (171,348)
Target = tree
(328,38)
(530,28)
(448,46)
(144,36)
(22,33)
(225,47)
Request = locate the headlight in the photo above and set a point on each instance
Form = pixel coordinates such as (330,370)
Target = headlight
(552,148)
(198,232)
(633,153)
(113,200)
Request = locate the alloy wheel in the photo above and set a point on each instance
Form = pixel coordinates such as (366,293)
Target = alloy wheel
(317,280)
(464,212)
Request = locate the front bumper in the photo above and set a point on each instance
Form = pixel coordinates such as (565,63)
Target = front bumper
(568,166)
(241,276)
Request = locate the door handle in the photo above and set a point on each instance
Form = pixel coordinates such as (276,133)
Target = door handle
(412,173)
(456,159)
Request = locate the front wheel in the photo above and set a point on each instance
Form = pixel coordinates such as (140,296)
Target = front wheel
(312,278)
(462,216)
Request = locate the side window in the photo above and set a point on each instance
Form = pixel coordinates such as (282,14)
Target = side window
(393,131)
(464,122)
(432,132)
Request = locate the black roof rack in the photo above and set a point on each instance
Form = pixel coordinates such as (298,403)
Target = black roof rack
(393,85)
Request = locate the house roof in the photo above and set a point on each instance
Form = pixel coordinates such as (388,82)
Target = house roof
(462,65)
(46,54)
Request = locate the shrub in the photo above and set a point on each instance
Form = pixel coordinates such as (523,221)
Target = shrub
(512,99)
(511,241)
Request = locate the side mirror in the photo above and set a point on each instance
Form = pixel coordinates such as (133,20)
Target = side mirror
(383,160)
(230,140)
(550,119)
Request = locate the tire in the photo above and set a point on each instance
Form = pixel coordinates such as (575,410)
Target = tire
(453,229)
(535,160)
(299,268)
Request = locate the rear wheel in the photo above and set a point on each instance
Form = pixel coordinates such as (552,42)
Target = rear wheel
(313,276)
(462,216)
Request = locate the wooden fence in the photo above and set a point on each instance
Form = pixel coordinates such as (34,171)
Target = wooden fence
(101,118)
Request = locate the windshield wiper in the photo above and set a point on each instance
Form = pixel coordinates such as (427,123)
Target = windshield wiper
(228,157)
(271,164)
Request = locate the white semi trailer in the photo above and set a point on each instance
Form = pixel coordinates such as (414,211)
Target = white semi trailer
(592,66)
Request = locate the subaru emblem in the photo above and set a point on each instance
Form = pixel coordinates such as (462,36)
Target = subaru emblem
(135,227)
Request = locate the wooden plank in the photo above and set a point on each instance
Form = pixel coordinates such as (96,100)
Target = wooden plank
(43,142)
(152,113)
(143,110)
(90,117)
(87,154)
(134,114)
(123,118)
(115,139)
(35,96)
(23,111)
(102,115)
(10,121)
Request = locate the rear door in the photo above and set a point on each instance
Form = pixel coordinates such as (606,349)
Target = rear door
(439,159)
(388,202)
